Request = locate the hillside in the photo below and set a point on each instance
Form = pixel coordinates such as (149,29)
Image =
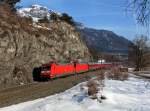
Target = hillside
(25,45)
(104,41)
(97,40)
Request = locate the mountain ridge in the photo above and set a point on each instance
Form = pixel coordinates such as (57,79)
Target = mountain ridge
(104,40)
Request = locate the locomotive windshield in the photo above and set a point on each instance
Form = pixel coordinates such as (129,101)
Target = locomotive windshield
(45,68)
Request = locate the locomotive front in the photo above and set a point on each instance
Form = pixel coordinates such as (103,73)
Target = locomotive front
(45,71)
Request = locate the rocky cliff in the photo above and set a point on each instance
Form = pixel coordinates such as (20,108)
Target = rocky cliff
(25,45)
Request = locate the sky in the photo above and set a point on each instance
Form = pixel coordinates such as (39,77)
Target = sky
(98,14)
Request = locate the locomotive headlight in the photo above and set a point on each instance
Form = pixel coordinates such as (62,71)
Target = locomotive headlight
(47,71)
(42,71)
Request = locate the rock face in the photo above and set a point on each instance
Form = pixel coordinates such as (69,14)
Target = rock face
(24,46)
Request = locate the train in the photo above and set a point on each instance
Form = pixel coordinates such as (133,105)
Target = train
(54,70)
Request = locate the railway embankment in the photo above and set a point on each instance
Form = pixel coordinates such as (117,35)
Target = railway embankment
(145,74)
(36,90)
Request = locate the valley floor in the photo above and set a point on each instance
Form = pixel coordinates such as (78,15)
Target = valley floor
(129,95)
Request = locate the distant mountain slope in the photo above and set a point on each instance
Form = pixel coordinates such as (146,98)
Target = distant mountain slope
(104,41)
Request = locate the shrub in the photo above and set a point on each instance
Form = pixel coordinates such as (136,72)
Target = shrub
(54,17)
(65,17)
(92,89)
(117,73)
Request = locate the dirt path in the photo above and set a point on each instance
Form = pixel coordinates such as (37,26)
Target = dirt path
(37,90)
(144,74)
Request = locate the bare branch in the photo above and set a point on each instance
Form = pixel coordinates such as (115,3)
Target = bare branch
(141,9)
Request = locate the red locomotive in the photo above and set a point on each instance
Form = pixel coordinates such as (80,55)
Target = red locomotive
(53,70)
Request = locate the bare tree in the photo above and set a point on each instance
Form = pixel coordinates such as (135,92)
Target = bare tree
(138,52)
(141,9)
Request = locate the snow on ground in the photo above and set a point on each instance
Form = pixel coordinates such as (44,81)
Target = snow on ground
(41,27)
(130,95)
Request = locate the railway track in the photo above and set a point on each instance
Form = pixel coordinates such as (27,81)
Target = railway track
(36,90)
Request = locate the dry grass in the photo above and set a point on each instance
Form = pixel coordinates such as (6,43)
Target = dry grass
(8,17)
(95,87)
(117,73)
(92,88)
(101,76)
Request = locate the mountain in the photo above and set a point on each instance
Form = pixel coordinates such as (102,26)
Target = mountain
(104,40)
(36,12)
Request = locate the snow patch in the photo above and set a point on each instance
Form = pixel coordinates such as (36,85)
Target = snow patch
(36,12)
(41,27)
(130,95)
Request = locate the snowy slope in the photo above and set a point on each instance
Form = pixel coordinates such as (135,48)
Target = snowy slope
(36,12)
(130,95)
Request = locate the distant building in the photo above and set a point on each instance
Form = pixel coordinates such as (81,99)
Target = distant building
(101,61)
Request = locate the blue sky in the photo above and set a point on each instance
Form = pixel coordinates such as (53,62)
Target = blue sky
(99,14)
